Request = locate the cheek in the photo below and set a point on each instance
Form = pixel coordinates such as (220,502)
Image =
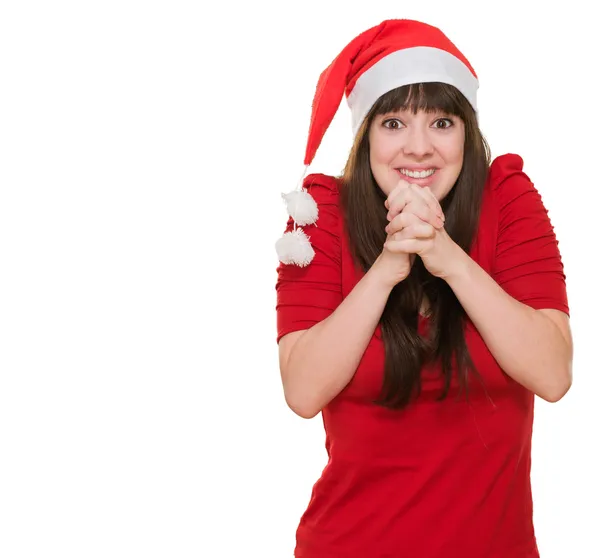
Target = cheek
(383,149)
(378,154)
(459,156)
(381,175)
(453,154)
(454,151)
(380,157)
(457,147)
(454,163)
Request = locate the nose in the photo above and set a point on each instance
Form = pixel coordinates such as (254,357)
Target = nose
(418,142)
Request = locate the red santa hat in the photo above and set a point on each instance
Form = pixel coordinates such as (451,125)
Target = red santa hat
(392,54)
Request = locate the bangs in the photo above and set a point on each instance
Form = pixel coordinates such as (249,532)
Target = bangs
(428,97)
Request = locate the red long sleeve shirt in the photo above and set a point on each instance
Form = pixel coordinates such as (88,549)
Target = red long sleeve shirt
(444,479)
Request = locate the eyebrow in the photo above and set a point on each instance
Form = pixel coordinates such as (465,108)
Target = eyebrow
(432,112)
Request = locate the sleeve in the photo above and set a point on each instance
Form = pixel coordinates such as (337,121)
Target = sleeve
(308,295)
(527,263)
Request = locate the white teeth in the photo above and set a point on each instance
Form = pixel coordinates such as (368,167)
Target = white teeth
(417,174)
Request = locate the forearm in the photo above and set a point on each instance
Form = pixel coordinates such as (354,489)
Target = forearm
(325,358)
(527,345)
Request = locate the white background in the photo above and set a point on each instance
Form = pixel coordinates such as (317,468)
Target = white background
(144,147)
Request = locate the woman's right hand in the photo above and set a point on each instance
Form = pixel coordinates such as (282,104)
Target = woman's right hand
(390,268)
(393,267)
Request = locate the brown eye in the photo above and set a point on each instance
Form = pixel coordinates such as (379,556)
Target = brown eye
(448,123)
(392,124)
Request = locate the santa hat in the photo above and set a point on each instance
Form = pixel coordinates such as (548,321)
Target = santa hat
(392,54)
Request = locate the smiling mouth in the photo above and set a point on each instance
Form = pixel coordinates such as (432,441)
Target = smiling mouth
(417,174)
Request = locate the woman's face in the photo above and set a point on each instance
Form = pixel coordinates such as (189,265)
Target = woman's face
(429,144)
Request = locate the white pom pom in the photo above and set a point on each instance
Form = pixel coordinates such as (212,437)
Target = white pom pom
(294,248)
(301,207)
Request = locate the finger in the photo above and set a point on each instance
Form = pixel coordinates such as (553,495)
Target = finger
(423,210)
(421,230)
(405,246)
(406,193)
(433,201)
(400,187)
(417,230)
(402,220)
(402,200)
(425,195)
(429,198)
(397,203)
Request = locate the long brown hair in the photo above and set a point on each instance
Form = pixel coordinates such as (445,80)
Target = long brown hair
(365,219)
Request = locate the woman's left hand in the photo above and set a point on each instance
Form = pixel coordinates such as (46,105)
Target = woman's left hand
(409,233)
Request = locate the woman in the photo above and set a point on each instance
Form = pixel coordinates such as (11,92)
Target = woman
(421,307)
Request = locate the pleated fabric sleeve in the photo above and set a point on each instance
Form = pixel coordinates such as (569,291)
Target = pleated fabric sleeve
(527,262)
(306,296)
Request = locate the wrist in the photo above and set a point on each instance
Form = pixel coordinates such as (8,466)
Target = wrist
(378,279)
(459,266)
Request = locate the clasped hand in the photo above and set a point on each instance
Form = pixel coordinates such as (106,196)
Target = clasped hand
(416,226)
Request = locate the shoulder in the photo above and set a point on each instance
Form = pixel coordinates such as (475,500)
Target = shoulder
(507,180)
(505,166)
(511,191)
(516,202)
(506,199)
(323,188)
(314,225)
